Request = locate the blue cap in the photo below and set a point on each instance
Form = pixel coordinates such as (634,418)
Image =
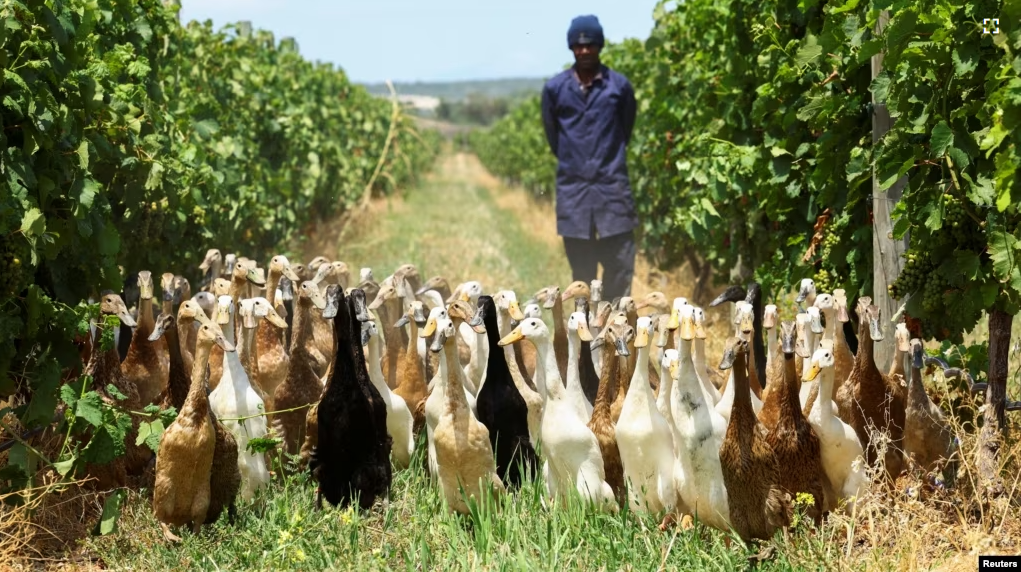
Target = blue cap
(585,30)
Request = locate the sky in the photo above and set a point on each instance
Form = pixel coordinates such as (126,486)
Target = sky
(431,40)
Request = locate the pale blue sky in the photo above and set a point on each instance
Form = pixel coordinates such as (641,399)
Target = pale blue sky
(431,40)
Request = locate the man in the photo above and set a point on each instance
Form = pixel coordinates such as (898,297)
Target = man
(589,112)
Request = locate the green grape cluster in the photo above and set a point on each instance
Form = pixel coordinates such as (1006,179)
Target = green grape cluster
(918,269)
(932,293)
(12,266)
(964,232)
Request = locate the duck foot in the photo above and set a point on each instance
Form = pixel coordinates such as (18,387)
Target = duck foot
(668,521)
(168,534)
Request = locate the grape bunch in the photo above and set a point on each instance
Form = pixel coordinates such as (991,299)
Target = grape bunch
(918,269)
(964,232)
(826,279)
(12,263)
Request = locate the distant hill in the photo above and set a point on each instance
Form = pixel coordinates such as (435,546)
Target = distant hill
(459,90)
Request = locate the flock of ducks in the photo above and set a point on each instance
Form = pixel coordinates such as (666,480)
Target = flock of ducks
(600,400)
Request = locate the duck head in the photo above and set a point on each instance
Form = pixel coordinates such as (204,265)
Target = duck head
(113,305)
(333,297)
(578,322)
(807,291)
(734,347)
(531,328)
(788,337)
(821,359)
(164,322)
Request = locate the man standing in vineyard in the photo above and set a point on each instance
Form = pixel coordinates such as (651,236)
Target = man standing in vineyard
(588,111)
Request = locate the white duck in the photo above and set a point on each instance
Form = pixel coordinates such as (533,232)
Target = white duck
(573,457)
(698,434)
(234,397)
(644,437)
(666,381)
(507,309)
(577,331)
(809,332)
(399,420)
(841,450)
(698,355)
(726,403)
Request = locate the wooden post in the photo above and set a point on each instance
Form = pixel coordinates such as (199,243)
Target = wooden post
(887,261)
(994,426)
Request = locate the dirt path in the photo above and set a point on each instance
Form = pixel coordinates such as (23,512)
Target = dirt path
(464,224)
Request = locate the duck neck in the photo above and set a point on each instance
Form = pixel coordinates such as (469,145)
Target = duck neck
(607,378)
(375,365)
(146,323)
(249,350)
(272,283)
(742,414)
(825,396)
(640,388)
(448,369)
(790,400)
(197,400)
(302,325)
(771,336)
(830,331)
(573,355)
(864,359)
(548,382)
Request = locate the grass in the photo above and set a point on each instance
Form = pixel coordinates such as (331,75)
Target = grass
(462,224)
(451,226)
(415,531)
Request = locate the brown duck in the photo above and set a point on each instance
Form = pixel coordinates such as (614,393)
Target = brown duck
(758,505)
(614,347)
(868,399)
(144,366)
(793,440)
(182,493)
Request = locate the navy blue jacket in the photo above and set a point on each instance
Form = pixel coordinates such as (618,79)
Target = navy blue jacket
(589,136)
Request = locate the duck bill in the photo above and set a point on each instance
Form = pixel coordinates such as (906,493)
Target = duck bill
(464,296)
(641,338)
(552,297)
(917,356)
(430,327)
(729,355)
(366,336)
(222,315)
(207,263)
(875,331)
(803,292)
(769,320)
(404,321)
(418,314)
(224,344)
(361,310)
(812,372)
(276,319)
(477,321)
(290,273)
(816,322)
(125,317)
(515,311)
(622,349)
(438,341)
(747,323)
(903,344)
(700,332)
(286,289)
(687,328)
(586,335)
(674,369)
(674,322)
(319,301)
(157,332)
(512,337)
(249,321)
(842,316)
(788,345)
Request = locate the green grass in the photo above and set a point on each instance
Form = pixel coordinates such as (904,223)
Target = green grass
(283,530)
(451,226)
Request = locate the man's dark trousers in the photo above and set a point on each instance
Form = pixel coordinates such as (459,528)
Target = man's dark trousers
(617,255)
